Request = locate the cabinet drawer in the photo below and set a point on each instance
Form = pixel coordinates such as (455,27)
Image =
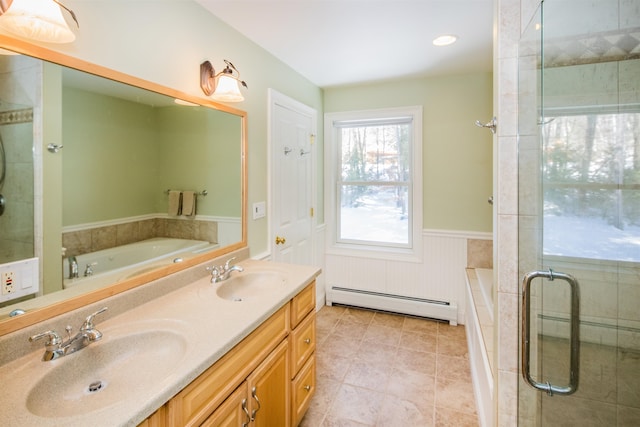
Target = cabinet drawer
(303,388)
(302,304)
(303,342)
(231,413)
(197,401)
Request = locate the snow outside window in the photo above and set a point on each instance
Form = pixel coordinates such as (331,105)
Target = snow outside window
(591,181)
(376,165)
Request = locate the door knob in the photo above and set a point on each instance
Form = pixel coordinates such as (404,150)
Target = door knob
(280,240)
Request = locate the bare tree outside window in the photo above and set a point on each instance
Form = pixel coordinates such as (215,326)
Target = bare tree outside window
(592,184)
(375,182)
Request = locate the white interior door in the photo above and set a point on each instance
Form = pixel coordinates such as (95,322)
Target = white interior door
(292,137)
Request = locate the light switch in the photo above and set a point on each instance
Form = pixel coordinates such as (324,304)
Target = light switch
(259,209)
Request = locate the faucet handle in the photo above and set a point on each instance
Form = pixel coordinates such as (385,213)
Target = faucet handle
(88,323)
(226,264)
(215,273)
(53,342)
(88,271)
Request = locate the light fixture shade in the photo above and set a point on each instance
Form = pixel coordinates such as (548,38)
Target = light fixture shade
(227,90)
(40,20)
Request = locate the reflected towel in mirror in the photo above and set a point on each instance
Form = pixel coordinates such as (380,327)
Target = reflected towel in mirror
(188,203)
(174,202)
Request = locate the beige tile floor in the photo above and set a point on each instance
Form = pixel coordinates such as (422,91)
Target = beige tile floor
(388,370)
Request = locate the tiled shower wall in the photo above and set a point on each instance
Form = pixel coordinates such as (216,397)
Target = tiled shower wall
(511,17)
(17,94)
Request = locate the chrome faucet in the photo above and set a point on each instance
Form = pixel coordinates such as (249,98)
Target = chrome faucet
(218,274)
(55,347)
(73,267)
(88,271)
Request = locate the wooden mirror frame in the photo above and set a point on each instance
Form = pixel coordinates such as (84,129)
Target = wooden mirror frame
(37,315)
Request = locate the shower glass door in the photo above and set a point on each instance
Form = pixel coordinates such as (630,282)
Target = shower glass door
(579,214)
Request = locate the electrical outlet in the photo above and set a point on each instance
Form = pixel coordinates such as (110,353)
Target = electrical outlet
(18,279)
(8,282)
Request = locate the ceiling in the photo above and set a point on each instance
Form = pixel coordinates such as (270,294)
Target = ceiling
(344,42)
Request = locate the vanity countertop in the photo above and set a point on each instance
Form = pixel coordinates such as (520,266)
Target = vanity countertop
(208,327)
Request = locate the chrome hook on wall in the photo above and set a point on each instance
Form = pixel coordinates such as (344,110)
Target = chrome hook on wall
(491,125)
(54,148)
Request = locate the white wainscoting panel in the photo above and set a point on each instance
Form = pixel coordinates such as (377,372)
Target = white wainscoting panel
(318,259)
(440,276)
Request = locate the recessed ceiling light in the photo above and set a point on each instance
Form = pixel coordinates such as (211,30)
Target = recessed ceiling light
(445,40)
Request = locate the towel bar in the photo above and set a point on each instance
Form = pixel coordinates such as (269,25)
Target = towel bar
(200,193)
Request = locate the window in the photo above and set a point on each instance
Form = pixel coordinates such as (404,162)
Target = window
(592,185)
(374,171)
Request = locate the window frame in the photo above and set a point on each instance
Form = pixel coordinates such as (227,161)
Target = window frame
(333,182)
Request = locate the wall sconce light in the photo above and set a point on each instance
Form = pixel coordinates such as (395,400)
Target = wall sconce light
(40,20)
(222,86)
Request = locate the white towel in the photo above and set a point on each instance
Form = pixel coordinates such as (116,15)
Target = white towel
(188,203)
(175,202)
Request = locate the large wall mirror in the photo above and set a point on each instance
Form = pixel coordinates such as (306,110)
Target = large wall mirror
(109,181)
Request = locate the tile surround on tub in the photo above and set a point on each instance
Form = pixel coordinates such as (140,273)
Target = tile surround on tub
(479,253)
(106,237)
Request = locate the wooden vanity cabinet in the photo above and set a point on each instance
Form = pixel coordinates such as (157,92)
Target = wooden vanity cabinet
(266,380)
(303,346)
(157,419)
(261,399)
(193,405)
(232,411)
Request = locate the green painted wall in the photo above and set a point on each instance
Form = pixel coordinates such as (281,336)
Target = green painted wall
(187,163)
(51,188)
(109,158)
(457,155)
(120,157)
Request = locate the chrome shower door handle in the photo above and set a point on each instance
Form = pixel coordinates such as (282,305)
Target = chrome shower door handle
(574,370)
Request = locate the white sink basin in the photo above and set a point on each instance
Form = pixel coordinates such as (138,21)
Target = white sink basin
(245,286)
(106,372)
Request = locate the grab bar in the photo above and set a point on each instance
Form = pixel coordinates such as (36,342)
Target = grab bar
(574,370)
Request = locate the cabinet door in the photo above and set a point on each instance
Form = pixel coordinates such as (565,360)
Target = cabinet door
(234,412)
(269,389)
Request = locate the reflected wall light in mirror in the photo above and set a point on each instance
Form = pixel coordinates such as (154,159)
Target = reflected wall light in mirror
(40,20)
(222,86)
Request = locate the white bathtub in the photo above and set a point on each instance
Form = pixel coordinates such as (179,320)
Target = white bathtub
(485,280)
(479,328)
(122,262)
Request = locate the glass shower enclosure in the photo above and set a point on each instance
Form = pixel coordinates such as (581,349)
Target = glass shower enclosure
(579,214)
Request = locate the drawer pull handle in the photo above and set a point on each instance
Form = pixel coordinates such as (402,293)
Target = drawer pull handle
(307,387)
(246,411)
(255,397)
(307,341)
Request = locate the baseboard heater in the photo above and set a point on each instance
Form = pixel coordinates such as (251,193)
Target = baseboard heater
(442,310)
